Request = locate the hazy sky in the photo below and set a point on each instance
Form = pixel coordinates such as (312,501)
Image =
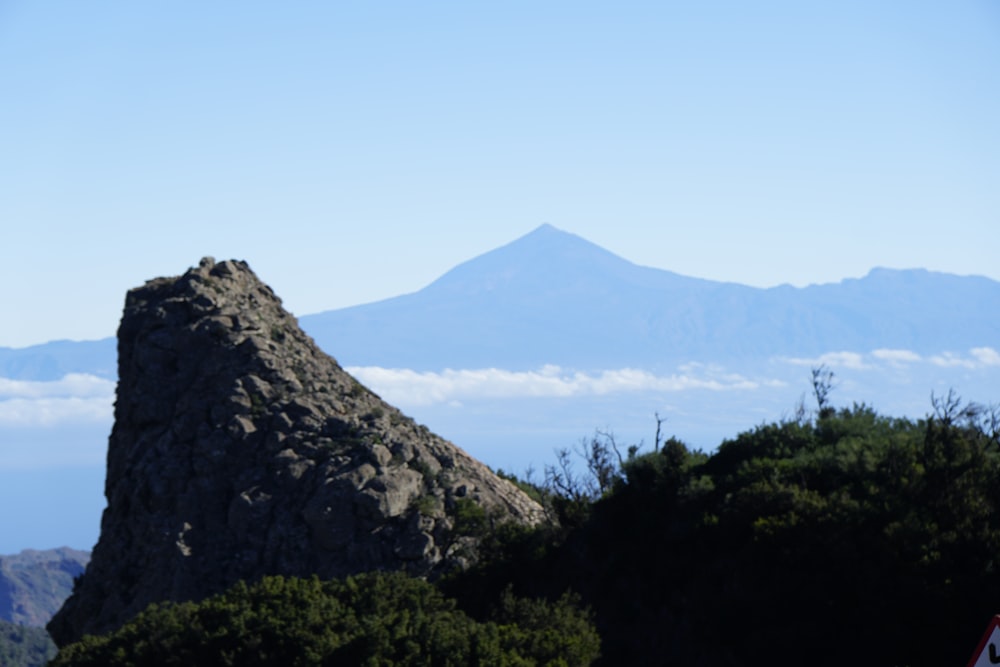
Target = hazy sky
(356,151)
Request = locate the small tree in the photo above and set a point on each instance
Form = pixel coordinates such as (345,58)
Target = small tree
(605,465)
(822,382)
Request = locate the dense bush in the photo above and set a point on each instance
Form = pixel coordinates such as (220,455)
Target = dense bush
(848,538)
(372,619)
(845,537)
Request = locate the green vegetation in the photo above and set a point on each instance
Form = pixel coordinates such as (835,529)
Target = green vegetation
(357,389)
(428,505)
(844,538)
(21,646)
(424,469)
(470,518)
(837,537)
(372,619)
(257,406)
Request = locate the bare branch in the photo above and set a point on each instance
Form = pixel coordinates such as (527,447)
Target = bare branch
(659,424)
(601,468)
(822,382)
(947,409)
(561,480)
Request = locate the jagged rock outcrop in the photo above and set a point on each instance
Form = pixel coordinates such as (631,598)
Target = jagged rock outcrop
(240,449)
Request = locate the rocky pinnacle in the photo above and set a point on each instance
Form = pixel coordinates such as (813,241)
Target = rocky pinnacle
(240,449)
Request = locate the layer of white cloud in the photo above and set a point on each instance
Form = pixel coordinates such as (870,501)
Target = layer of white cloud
(841,359)
(81,398)
(50,411)
(986,356)
(897,357)
(412,388)
(952,360)
(977,358)
(76,398)
(75,385)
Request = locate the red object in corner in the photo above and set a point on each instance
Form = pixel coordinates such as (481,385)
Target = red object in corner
(988,651)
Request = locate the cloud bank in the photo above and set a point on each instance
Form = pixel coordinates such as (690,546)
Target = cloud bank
(87,399)
(412,388)
(76,385)
(978,358)
(76,398)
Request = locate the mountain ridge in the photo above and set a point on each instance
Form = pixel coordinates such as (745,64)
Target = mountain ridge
(552,297)
(544,247)
(35,583)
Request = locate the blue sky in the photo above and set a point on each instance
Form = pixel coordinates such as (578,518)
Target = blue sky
(356,151)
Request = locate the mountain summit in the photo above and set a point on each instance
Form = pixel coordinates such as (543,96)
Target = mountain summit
(546,259)
(551,297)
(240,449)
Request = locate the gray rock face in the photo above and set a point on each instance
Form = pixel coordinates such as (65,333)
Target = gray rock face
(240,449)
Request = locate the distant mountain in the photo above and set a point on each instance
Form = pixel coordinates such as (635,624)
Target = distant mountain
(23,646)
(51,361)
(34,584)
(553,297)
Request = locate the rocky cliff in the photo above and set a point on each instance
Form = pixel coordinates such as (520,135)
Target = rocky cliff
(240,449)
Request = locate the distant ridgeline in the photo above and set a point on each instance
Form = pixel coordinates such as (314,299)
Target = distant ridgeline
(33,585)
(552,297)
(52,361)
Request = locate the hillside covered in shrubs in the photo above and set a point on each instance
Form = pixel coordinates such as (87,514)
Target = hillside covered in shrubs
(840,536)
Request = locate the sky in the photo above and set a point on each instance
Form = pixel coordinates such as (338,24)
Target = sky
(353,151)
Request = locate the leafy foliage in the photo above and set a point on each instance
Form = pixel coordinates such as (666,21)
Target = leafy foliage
(845,538)
(372,619)
(470,518)
(839,537)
